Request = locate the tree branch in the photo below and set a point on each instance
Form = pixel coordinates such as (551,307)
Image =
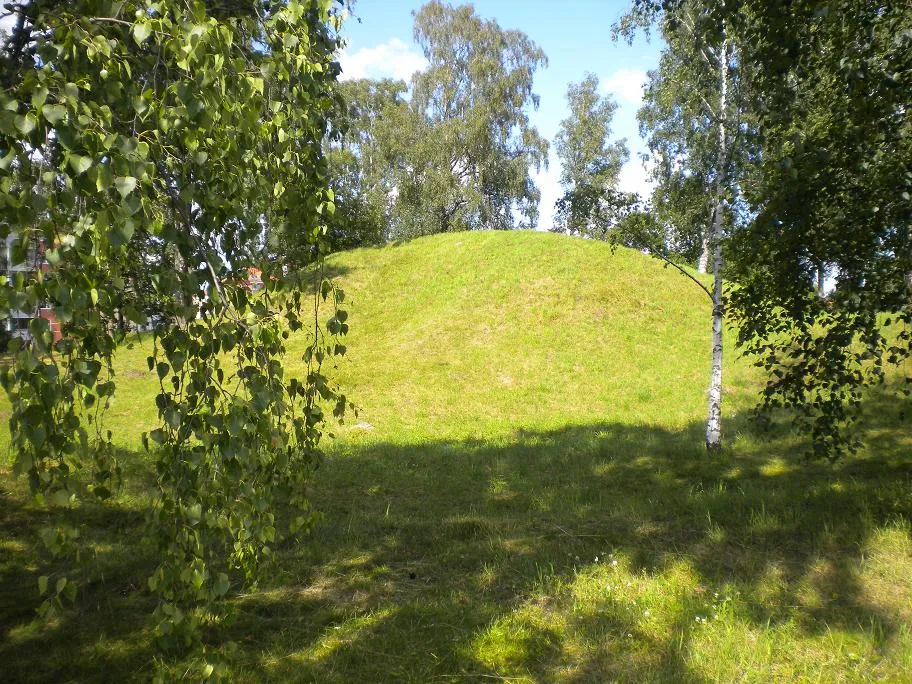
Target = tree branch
(712,59)
(669,262)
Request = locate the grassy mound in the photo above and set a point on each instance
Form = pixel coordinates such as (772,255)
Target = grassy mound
(524,495)
(477,334)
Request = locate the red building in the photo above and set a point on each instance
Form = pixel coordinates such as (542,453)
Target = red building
(17,323)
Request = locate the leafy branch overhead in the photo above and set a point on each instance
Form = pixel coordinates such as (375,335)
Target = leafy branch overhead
(154,154)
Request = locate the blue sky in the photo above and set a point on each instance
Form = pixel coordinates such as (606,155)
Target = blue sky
(576,37)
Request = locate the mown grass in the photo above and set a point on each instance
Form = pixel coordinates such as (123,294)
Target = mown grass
(524,496)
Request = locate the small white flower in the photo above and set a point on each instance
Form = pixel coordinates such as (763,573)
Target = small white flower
(614,563)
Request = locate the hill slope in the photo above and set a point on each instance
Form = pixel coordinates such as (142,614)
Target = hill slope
(465,333)
(476,334)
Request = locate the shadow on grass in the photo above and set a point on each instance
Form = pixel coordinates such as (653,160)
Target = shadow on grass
(103,632)
(535,555)
(331,271)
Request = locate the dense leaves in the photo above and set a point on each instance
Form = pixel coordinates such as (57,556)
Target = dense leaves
(154,156)
(474,169)
(363,151)
(456,151)
(832,197)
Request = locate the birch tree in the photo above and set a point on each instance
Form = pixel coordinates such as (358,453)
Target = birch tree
(469,150)
(590,162)
(817,185)
(692,116)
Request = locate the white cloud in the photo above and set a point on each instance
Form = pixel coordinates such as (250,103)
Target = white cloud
(626,85)
(634,177)
(6,26)
(548,183)
(392,59)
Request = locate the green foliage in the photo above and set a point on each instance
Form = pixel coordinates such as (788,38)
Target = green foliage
(360,153)
(832,194)
(187,135)
(457,154)
(680,119)
(467,149)
(589,163)
(817,184)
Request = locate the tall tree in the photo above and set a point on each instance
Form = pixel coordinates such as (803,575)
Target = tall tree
(822,186)
(590,163)
(362,155)
(469,149)
(693,114)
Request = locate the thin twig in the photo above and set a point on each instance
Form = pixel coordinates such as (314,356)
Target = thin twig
(669,262)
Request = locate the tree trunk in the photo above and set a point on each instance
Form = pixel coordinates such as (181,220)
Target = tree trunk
(703,263)
(821,281)
(714,417)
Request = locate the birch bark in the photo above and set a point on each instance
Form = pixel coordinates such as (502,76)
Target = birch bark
(703,263)
(714,417)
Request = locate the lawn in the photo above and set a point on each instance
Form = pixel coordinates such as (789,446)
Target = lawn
(523,496)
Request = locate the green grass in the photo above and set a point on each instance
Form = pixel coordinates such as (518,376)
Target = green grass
(531,501)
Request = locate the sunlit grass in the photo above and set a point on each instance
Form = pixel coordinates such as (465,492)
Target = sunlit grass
(524,495)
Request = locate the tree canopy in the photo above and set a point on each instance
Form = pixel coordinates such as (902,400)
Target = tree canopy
(832,195)
(590,163)
(362,157)
(453,150)
(473,97)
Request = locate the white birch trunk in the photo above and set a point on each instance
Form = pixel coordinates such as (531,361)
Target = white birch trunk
(714,417)
(703,263)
